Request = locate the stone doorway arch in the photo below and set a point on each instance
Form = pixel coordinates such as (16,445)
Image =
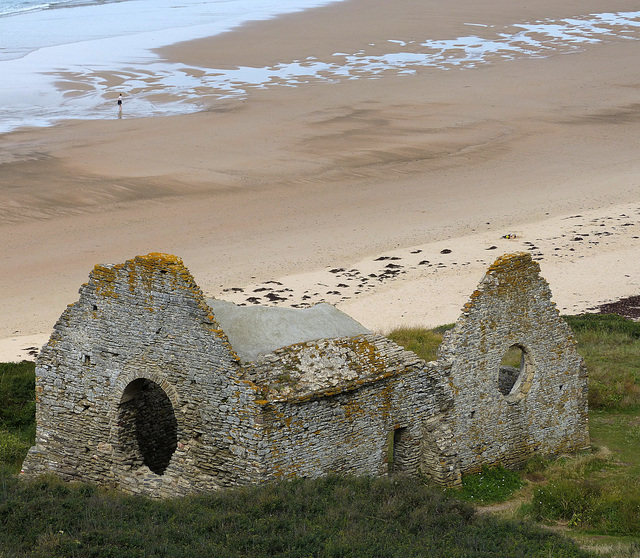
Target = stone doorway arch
(147,426)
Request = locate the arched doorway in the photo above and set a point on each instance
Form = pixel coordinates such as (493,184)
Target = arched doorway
(148,430)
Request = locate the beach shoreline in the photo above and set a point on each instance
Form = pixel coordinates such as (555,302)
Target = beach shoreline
(291,182)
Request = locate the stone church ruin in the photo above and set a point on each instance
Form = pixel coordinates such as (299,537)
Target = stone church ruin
(147,386)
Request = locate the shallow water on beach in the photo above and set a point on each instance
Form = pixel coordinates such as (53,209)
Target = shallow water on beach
(77,71)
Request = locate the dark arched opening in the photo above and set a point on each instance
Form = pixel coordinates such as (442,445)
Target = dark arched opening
(148,426)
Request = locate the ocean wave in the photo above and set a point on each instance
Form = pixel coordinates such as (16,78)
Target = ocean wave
(10,8)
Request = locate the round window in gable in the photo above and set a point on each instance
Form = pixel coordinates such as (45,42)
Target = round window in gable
(515,372)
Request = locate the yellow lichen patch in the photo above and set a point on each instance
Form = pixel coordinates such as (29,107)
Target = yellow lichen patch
(105,280)
(385,403)
(353,410)
(160,257)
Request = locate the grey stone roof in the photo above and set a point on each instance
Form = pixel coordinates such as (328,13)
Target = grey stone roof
(254,331)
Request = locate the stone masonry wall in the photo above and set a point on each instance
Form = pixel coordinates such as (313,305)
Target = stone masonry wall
(143,322)
(139,388)
(342,406)
(546,409)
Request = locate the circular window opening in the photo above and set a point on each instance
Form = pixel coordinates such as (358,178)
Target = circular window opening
(512,369)
(148,426)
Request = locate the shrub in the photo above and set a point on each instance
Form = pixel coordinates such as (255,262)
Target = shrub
(12,448)
(589,505)
(324,518)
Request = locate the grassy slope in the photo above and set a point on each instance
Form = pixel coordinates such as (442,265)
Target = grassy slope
(348,517)
(17,413)
(329,517)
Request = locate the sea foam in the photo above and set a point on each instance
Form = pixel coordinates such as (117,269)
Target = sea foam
(80,79)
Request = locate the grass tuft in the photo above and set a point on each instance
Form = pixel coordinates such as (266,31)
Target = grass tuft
(493,484)
(423,342)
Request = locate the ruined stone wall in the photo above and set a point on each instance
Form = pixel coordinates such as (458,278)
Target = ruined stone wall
(139,388)
(545,410)
(137,357)
(353,406)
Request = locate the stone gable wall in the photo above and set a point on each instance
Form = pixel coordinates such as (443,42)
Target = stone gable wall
(546,411)
(144,319)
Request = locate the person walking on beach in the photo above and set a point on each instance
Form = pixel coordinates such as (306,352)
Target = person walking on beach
(120,103)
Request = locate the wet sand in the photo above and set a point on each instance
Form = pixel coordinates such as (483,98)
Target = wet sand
(292,183)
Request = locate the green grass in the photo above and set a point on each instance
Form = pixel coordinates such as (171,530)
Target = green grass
(495,484)
(610,346)
(596,493)
(17,413)
(592,495)
(424,342)
(329,517)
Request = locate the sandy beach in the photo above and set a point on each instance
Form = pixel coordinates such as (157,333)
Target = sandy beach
(322,186)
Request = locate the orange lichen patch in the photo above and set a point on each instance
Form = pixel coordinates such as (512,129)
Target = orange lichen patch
(147,267)
(105,280)
(160,257)
(512,261)
(352,410)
